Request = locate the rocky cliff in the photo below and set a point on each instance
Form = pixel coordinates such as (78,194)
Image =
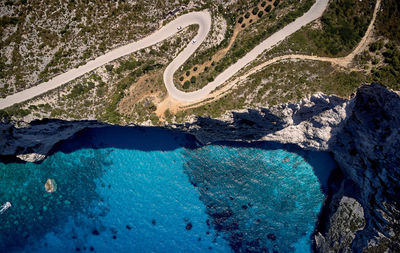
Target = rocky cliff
(363,133)
(310,124)
(32,141)
(362,210)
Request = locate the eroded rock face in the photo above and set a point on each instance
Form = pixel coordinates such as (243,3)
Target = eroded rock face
(32,141)
(310,124)
(346,221)
(367,148)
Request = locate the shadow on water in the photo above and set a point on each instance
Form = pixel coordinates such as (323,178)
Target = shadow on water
(35,212)
(133,138)
(162,139)
(226,218)
(125,137)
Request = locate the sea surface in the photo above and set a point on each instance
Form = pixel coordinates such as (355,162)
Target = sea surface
(123,189)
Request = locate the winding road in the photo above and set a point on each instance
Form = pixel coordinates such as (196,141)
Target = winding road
(203,19)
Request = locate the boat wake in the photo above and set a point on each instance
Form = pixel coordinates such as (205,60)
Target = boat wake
(4,207)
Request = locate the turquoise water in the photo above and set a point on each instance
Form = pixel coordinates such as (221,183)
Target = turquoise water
(151,190)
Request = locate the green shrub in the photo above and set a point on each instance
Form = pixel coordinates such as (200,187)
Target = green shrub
(195,69)
(186,85)
(193,79)
(128,65)
(263,4)
(247,15)
(260,14)
(255,11)
(90,85)
(33,107)
(109,68)
(268,8)
(4,115)
(154,119)
(342,27)
(389,45)
(14,111)
(188,73)
(181,78)
(276,2)
(387,22)
(56,112)
(377,45)
(240,20)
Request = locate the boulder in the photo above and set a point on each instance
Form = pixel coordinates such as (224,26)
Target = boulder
(50,185)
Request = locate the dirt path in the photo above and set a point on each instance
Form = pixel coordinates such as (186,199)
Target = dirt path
(312,14)
(340,61)
(219,55)
(177,98)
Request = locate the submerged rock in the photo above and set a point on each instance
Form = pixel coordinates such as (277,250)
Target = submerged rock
(50,185)
(95,232)
(189,226)
(271,236)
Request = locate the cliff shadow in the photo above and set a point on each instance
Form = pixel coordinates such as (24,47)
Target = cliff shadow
(126,137)
(320,105)
(45,137)
(244,126)
(240,132)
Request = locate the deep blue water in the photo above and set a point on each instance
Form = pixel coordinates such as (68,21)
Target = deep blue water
(151,190)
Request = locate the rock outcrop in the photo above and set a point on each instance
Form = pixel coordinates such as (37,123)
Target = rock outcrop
(50,185)
(367,148)
(363,133)
(32,141)
(310,124)
(345,222)
(362,211)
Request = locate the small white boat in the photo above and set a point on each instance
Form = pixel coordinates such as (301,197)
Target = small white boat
(4,207)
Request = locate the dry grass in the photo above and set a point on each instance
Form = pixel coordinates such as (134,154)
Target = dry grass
(148,86)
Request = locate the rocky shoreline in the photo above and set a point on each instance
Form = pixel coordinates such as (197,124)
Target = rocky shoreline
(362,211)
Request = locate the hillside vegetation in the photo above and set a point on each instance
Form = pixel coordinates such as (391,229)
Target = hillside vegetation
(129,90)
(339,30)
(41,39)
